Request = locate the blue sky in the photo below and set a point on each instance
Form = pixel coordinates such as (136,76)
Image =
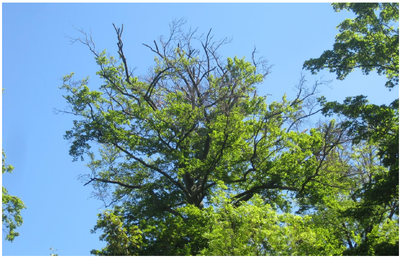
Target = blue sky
(37,53)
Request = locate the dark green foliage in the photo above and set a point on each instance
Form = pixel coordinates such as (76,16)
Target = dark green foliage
(368,42)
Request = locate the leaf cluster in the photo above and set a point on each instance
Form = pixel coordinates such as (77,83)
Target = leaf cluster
(12,207)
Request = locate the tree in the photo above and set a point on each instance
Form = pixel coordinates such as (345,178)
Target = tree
(370,42)
(193,127)
(12,206)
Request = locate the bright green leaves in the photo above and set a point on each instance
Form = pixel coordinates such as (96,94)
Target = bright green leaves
(369,42)
(243,73)
(111,71)
(101,59)
(5,168)
(254,228)
(120,240)
(106,113)
(80,96)
(11,208)
(11,216)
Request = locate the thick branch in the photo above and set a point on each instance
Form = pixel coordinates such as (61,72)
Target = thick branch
(113,182)
(246,195)
(347,236)
(162,206)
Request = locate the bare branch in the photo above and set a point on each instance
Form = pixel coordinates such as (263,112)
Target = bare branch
(121,52)
(88,41)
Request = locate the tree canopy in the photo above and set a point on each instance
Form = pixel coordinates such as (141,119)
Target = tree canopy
(193,161)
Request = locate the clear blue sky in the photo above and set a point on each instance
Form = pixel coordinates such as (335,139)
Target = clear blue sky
(37,53)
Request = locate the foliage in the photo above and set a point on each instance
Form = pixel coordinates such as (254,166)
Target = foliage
(120,240)
(12,206)
(176,235)
(255,228)
(370,41)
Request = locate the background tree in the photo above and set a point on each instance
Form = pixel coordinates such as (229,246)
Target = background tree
(193,127)
(12,206)
(369,42)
